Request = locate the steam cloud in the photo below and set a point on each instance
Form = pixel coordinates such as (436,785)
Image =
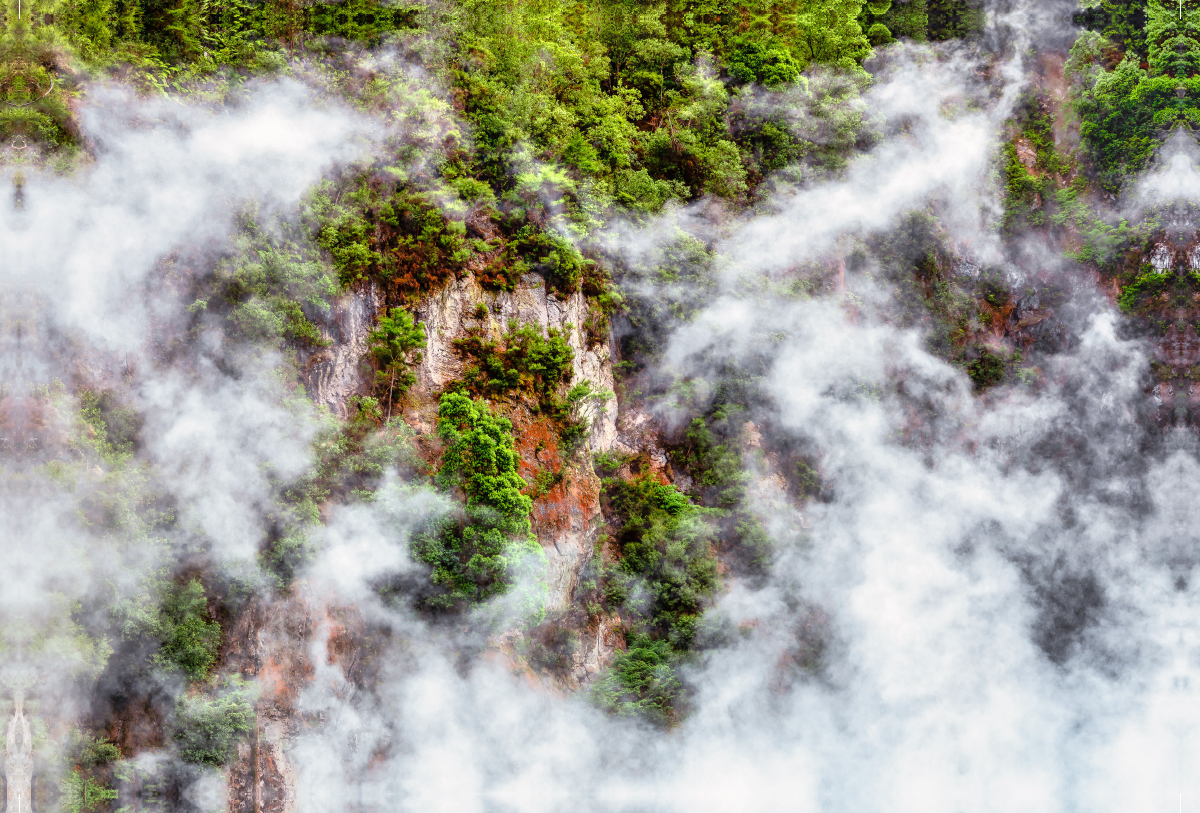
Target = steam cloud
(1012,622)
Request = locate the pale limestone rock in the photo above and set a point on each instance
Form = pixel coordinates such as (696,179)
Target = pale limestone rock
(333,374)
(637,432)
(610,638)
(450,312)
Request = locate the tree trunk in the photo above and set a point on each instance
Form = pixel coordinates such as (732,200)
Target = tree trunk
(391,387)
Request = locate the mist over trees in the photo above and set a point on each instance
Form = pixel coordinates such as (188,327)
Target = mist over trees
(460,404)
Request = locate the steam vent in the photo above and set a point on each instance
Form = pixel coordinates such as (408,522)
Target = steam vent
(631,406)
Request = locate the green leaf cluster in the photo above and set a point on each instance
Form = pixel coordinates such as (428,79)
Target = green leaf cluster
(189,639)
(82,793)
(374,229)
(269,286)
(524,360)
(392,344)
(667,567)
(490,544)
(208,727)
(642,681)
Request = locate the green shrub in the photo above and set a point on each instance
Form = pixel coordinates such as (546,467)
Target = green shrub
(80,793)
(207,728)
(665,544)
(115,428)
(479,553)
(524,360)
(94,751)
(189,640)
(987,370)
(757,59)
(641,681)
(879,34)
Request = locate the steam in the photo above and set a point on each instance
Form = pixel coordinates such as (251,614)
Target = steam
(86,299)
(1008,631)
(1011,616)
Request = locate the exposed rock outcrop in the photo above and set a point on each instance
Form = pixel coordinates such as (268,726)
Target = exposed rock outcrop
(449,313)
(567,516)
(335,373)
(269,641)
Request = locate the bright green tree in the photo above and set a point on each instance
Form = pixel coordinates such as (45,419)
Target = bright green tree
(392,344)
(480,554)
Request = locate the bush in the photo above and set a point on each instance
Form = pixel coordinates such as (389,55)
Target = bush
(94,751)
(479,553)
(986,371)
(207,729)
(665,544)
(641,682)
(756,60)
(81,793)
(524,360)
(189,641)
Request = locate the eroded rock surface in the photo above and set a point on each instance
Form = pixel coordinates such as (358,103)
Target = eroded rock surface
(335,373)
(449,313)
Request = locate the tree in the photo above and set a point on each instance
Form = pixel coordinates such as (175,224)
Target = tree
(190,641)
(828,31)
(208,728)
(391,344)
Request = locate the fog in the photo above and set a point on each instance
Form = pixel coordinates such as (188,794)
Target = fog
(1006,581)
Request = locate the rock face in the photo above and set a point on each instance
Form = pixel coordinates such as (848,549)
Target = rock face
(449,313)
(566,517)
(269,642)
(334,373)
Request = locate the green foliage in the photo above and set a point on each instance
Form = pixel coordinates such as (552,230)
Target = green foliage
(113,427)
(879,34)
(677,275)
(550,648)
(717,466)
(1147,285)
(667,568)
(533,249)
(754,59)
(392,343)
(480,552)
(80,793)
(574,426)
(207,728)
(96,751)
(523,360)
(376,229)
(268,285)
(642,681)
(1100,242)
(189,640)
(607,463)
(986,371)
(1123,111)
(181,38)
(365,21)
(952,19)
(1116,122)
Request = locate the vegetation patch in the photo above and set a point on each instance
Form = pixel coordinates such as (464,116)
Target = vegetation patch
(488,545)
